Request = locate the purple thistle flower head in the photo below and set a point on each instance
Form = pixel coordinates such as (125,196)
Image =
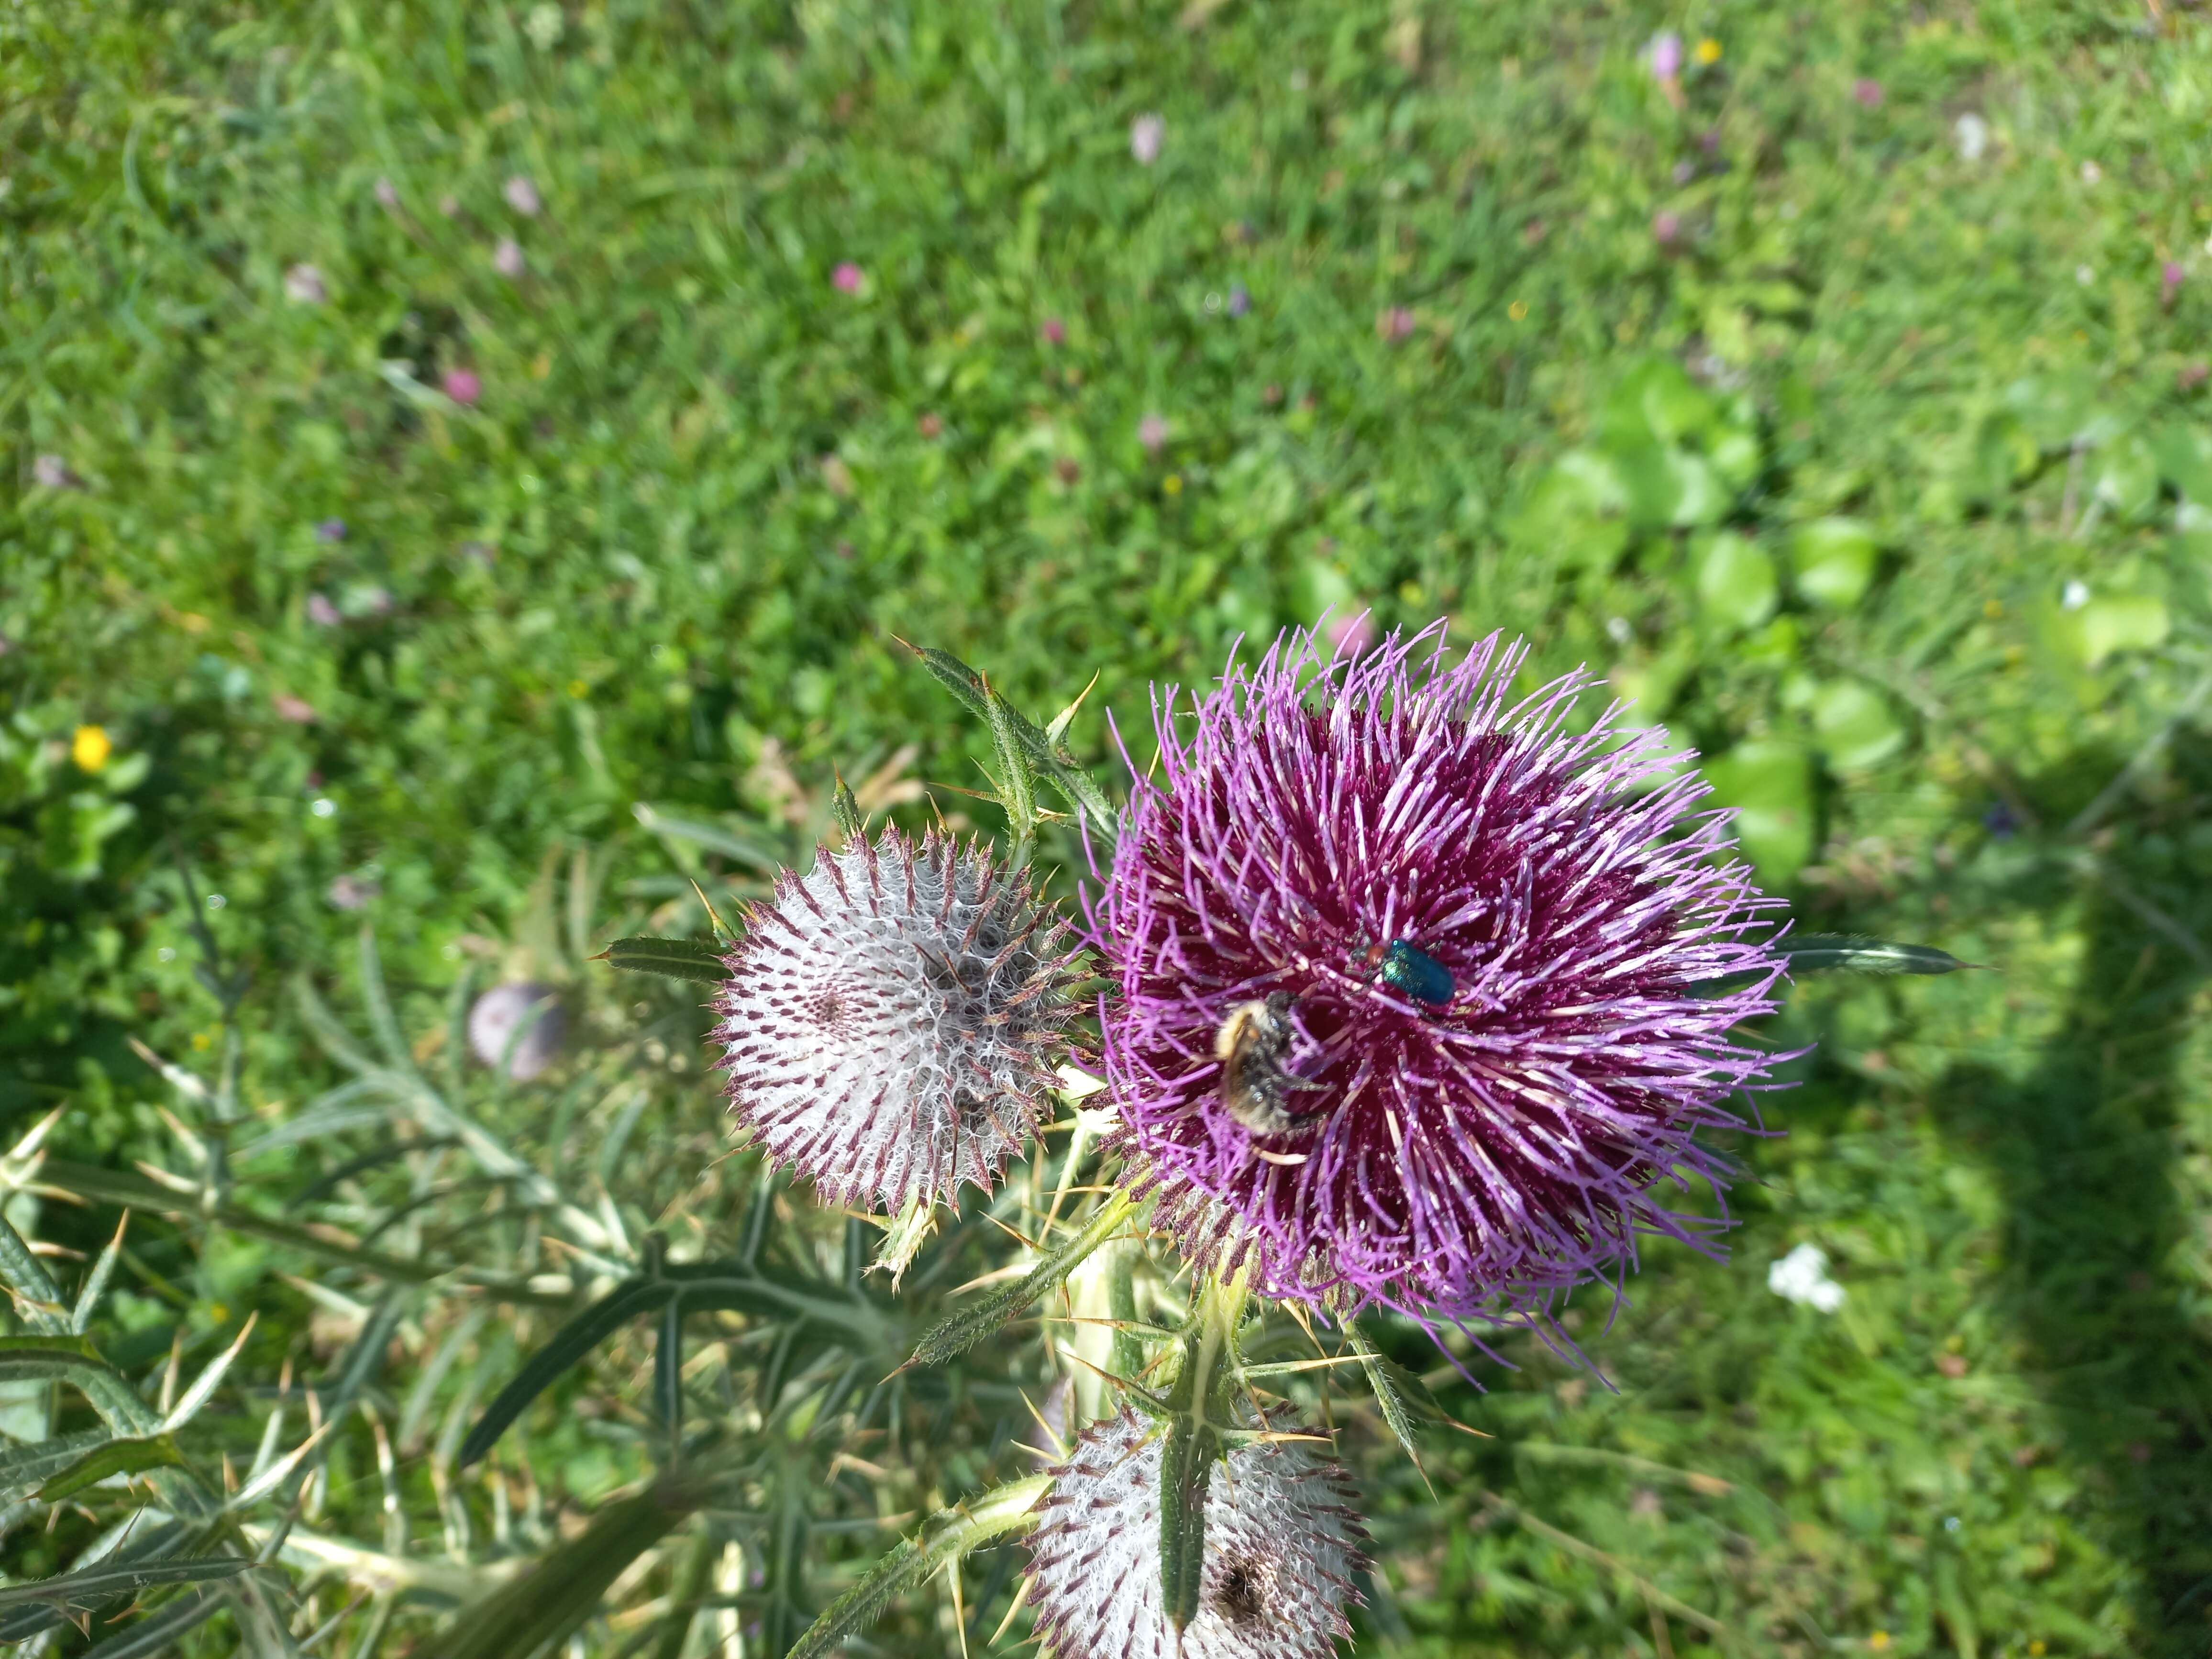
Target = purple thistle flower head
(1415,1003)
(892,1017)
(1282,1542)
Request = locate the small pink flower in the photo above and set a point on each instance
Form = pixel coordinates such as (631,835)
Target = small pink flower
(522,196)
(507,258)
(322,612)
(464,386)
(1867,91)
(2170,276)
(1153,433)
(52,473)
(387,195)
(304,283)
(1666,228)
(1054,332)
(1351,635)
(2190,376)
(1146,134)
(847,277)
(1394,325)
(298,711)
(1664,54)
(353,892)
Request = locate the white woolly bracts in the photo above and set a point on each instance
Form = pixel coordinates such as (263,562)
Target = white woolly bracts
(892,1017)
(1282,1542)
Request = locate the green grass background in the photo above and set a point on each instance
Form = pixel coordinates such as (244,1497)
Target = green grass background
(1807,467)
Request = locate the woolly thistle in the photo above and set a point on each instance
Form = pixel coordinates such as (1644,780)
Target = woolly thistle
(1418,985)
(890,1019)
(1282,1542)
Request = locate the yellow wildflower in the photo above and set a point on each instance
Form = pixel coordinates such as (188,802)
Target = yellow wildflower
(91,747)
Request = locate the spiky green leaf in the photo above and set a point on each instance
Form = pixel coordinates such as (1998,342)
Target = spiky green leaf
(992,1312)
(125,1457)
(953,1534)
(698,960)
(1819,952)
(965,683)
(554,1595)
(568,1346)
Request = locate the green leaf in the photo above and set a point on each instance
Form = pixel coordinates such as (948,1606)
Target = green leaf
(25,1468)
(1816,952)
(1081,791)
(712,837)
(1769,784)
(94,1587)
(2127,477)
(2185,459)
(551,1598)
(1736,585)
(125,1457)
(568,1346)
(155,1634)
(1834,561)
(955,1532)
(1856,728)
(135,1191)
(69,1360)
(1398,1393)
(988,1313)
(1656,402)
(699,960)
(1186,1455)
(2125,621)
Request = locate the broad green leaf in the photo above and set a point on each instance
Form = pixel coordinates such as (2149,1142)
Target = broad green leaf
(552,1597)
(1834,561)
(1736,456)
(1771,786)
(953,1533)
(124,1457)
(2125,621)
(696,959)
(995,1310)
(1656,402)
(1812,952)
(2126,477)
(1736,585)
(1856,728)
(2185,459)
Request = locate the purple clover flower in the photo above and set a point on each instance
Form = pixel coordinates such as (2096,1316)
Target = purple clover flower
(1490,943)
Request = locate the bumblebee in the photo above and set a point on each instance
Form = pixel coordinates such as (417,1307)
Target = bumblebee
(1253,1082)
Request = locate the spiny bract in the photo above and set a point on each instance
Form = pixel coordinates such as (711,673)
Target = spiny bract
(891,1019)
(1499,939)
(1282,1542)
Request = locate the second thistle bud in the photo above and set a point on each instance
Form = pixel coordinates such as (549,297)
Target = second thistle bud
(892,1018)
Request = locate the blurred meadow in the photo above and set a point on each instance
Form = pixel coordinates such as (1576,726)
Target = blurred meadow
(469,471)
